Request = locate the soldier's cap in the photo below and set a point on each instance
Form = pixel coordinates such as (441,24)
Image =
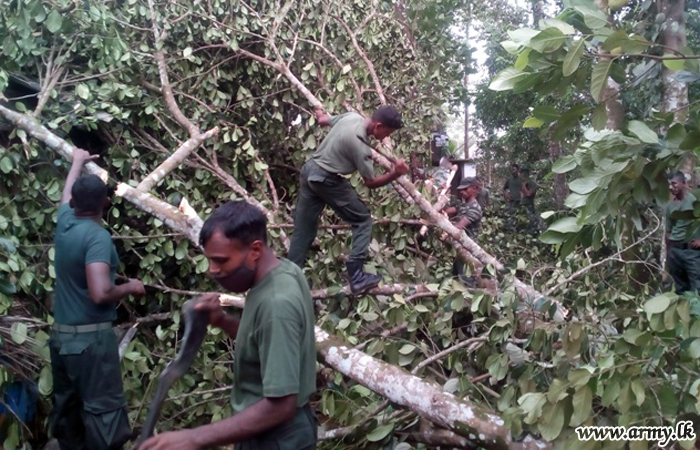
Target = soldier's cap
(467,181)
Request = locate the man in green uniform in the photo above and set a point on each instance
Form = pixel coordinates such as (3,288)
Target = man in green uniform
(89,407)
(466,214)
(527,200)
(683,252)
(512,191)
(275,361)
(342,152)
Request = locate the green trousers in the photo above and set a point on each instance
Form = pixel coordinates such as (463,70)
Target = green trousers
(317,189)
(299,433)
(684,267)
(89,410)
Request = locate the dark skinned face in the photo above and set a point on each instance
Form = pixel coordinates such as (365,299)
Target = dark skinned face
(676,185)
(470,192)
(231,263)
(381,131)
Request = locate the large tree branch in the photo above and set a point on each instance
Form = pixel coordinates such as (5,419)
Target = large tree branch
(175,159)
(166,213)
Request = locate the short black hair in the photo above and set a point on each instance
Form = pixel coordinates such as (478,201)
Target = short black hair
(386,115)
(677,174)
(238,220)
(89,193)
(515,165)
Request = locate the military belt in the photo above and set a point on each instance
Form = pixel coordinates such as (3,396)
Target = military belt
(89,328)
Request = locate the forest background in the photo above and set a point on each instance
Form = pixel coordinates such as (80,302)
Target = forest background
(191,104)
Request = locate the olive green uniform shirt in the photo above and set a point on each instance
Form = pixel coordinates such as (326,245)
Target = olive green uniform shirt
(472,212)
(343,150)
(678,228)
(514,185)
(80,242)
(275,346)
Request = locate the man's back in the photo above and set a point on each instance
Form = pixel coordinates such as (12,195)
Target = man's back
(343,150)
(275,345)
(80,242)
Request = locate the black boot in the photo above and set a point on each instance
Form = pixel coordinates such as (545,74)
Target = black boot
(361,281)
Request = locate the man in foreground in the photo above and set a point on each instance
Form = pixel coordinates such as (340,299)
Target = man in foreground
(683,251)
(275,360)
(343,152)
(89,406)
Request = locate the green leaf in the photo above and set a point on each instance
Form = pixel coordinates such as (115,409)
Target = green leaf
(573,58)
(599,78)
(532,122)
(545,113)
(407,349)
(659,303)
(548,41)
(564,164)
(505,80)
(187,52)
(18,332)
(585,185)
(45,381)
(582,402)
(380,433)
(552,421)
(522,60)
(638,389)
(8,245)
(643,132)
(566,225)
(552,237)
(694,349)
(600,117)
(83,91)
(532,403)
(7,287)
(522,36)
(54,21)
(673,64)
(615,40)
(6,164)
(559,24)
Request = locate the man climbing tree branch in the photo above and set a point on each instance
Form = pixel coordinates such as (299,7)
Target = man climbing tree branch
(342,152)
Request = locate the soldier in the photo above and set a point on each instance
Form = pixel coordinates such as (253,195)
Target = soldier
(527,200)
(342,152)
(89,406)
(683,252)
(512,188)
(275,364)
(466,214)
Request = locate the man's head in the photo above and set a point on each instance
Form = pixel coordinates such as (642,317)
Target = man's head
(676,183)
(234,238)
(385,121)
(515,170)
(469,188)
(89,195)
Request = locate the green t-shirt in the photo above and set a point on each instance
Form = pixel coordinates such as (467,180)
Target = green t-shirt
(343,150)
(78,243)
(513,185)
(531,187)
(275,346)
(678,228)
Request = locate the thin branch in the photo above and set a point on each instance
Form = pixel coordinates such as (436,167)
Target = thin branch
(448,351)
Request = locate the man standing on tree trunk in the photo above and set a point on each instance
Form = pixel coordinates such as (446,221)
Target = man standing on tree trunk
(275,363)
(89,405)
(342,152)
(683,251)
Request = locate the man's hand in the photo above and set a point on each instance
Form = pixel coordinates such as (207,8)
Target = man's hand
(211,304)
(508,196)
(322,118)
(82,157)
(136,287)
(462,223)
(695,243)
(175,440)
(401,167)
